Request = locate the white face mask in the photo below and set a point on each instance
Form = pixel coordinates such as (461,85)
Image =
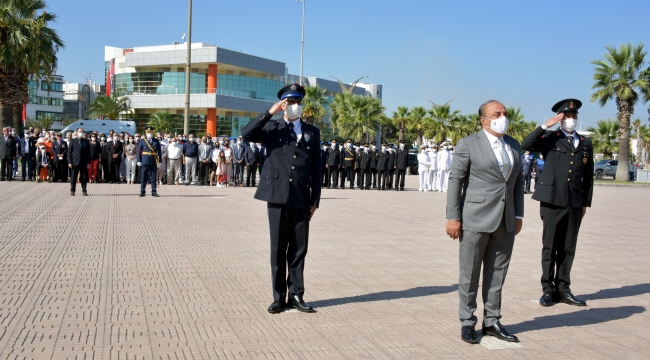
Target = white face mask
(383,148)
(500,125)
(333,146)
(191,139)
(149,136)
(238,142)
(401,146)
(173,142)
(293,111)
(569,125)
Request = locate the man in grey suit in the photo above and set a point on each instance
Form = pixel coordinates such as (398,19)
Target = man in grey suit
(238,156)
(485,208)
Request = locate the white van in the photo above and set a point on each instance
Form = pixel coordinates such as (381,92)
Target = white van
(102,126)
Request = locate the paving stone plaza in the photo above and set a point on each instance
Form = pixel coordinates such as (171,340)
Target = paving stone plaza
(187,276)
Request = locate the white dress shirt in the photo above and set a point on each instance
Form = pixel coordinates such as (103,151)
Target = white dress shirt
(496,143)
(297,127)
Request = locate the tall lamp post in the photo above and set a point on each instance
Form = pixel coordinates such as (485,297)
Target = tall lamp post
(188,69)
(302,43)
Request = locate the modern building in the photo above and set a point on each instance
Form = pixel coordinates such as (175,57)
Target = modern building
(77,97)
(227,88)
(45,100)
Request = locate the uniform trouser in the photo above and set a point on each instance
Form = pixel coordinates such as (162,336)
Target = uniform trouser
(333,171)
(559,239)
(382,174)
(205,169)
(174,171)
(130,169)
(442,177)
(373,173)
(326,178)
(433,180)
(493,251)
(250,173)
(424,179)
(349,170)
(114,170)
(81,171)
(239,173)
(391,175)
(538,175)
(148,174)
(356,172)
(27,167)
(527,178)
(289,230)
(399,178)
(366,178)
(190,169)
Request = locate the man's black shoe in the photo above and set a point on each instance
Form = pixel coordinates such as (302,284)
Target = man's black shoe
(154,194)
(276,307)
(71,193)
(299,304)
(329,187)
(141,194)
(497,330)
(468,334)
(568,298)
(546,299)
(23,179)
(84,193)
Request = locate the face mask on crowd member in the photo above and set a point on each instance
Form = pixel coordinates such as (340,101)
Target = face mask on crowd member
(122,140)
(293,111)
(93,138)
(333,146)
(220,142)
(191,139)
(238,142)
(401,146)
(130,140)
(569,122)
(102,138)
(149,136)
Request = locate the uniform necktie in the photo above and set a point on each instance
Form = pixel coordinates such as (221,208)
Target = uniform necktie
(507,167)
(293,133)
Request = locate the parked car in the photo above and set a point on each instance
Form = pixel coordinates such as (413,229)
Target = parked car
(605,167)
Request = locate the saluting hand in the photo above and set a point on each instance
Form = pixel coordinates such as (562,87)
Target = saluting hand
(554,120)
(277,106)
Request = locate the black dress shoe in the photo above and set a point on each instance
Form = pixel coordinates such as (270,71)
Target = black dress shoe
(84,193)
(568,298)
(141,194)
(71,193)
(468,334)
(276,307)
(546,299)
(497,330)
(155,195)
(329,187)
(299,304)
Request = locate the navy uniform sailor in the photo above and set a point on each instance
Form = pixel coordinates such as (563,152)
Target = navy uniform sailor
(564,192)
(148,157)
(291,185)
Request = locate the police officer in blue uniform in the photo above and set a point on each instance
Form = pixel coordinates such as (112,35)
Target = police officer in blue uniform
(290,183)
(564,192)
(148,157)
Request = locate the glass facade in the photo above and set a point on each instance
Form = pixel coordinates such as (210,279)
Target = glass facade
(41,100)
(256,87)
(53,86)
(197,123)
(158,83)
(46,114)
(231,125)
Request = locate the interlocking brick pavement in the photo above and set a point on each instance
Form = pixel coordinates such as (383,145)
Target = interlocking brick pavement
(187,276)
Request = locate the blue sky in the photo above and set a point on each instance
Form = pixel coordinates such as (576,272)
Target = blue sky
(527,54)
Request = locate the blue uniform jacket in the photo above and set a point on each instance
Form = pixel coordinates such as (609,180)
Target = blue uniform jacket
(148,159)
(292,170)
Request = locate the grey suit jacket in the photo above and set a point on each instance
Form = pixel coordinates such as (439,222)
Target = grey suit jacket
(478,194)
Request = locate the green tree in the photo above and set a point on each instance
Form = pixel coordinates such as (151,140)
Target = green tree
(644,134)
(28,48)
(604,137)
(416,122)
(518,128)
(399,120)
(356,117)
(164,122)
(623,76)
(314,105)
(42,123)
(110,107)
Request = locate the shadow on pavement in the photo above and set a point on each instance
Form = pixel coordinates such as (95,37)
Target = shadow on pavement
(578,318)
(624,291)
(387,295)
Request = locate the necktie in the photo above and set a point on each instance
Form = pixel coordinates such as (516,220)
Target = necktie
(293,133)
(507,166)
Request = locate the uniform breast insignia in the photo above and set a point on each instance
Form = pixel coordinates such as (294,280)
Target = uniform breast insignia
(307,137)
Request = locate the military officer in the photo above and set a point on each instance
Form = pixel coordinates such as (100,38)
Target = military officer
(401,165)
(564,192)
(373,163)
(433,169)
(366,157)
(358,149)
(348,158)
(148,157)
(391,166)
(424,162)
(333,164)
(323,160)
(382,166)
(290,184)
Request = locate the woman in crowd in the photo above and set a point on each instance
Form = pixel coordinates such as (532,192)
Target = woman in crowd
(103,158)
(221,165)
(123,163)
(214,156)
(42,163)
(227,168)
(95,153)
(130,153)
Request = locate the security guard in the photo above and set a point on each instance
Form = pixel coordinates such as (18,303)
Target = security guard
(291,186)
(565,191)
(148,157)
(348,158)
(333,164)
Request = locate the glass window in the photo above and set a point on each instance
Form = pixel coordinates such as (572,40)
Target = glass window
(53,86)
(46,114)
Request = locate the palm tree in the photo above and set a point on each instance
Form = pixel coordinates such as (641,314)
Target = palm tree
(639,138)
(399,120)
(604,138)
(110,107)
(164,122)
(356,116)
(439,127)
(28,48)
(314,105)
(417,121)
(622,76)
(644,132)
(518,128)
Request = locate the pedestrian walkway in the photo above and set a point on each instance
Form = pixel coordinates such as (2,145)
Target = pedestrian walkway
(187,276)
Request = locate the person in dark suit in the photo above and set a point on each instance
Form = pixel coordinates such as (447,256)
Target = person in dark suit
(366,157)
(60,159)
(323,161)
(148,157)
(252,157)
(348,159)
(262,149)
(564,192)
(27,152)
(114,151)
(401,164)
(291,186)
(382,166)
(528,164)
(391,166)
(79,161)
(7,154)
(333,163)
(373,163)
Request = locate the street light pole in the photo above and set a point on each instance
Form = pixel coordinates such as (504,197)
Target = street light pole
(302,44)
(188,70)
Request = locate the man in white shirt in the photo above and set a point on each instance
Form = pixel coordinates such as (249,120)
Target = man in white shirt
(174,154)
(433,169)
(423,168)
(444,163)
